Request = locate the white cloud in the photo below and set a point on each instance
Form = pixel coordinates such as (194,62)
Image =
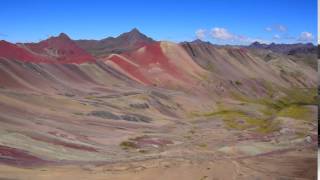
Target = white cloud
(222,34)
(306,37)
(201,33)
(251,40)
(269,29)
(276,36)
(281,28)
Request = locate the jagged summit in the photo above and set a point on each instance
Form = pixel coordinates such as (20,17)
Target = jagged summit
(55,49)
(125,42)
(135,34)
(135,30)
(285,48)
(197,41)
(63,35)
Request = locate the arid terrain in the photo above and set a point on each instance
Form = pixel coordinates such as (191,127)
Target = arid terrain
(130,107)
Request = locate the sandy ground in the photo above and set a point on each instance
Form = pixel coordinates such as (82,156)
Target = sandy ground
(74,144)
(287,165)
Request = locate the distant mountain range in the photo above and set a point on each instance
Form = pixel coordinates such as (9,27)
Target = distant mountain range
(65,101)
(298,52)
(289,49)
(159,63)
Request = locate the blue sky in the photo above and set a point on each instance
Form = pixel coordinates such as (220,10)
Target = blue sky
(218,21)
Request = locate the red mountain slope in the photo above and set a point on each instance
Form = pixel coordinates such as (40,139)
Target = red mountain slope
(12,51)
(61,49)
(157,63)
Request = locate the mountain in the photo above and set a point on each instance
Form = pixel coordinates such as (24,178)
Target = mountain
(289,49)
(135,100)
(304,53)
(125,42)
(17,52)
(158,63)
(228,64)
(60,49)
(176,66)
(179,66)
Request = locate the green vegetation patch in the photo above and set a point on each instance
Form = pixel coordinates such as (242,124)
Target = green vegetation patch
(292,103)
(295,97)
(296,112)
(90,97)
(128,145)
(242,121)
(223,112)
(238,83)
(203,145)
(298,96)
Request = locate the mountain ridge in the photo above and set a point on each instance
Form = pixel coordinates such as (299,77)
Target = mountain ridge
(117,45)
(155,100)
(168,64)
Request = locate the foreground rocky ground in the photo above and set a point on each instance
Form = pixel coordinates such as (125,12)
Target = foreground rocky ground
(90,140)
(291,164)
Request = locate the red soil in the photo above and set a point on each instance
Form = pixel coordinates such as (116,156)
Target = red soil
(129,68)
(12,51)
(65,50)
(153,54)
(62,143)
(13,156)
(61,50)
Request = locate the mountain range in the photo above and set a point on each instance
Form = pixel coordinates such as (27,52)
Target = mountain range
(147,61)
(134,99)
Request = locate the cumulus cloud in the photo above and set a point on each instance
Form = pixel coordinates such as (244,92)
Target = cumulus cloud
(201,33)
(306,37)
(222,34)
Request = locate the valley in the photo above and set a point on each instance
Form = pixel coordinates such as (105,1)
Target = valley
(109,109)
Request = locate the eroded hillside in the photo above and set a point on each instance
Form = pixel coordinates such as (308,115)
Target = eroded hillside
(191,109)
